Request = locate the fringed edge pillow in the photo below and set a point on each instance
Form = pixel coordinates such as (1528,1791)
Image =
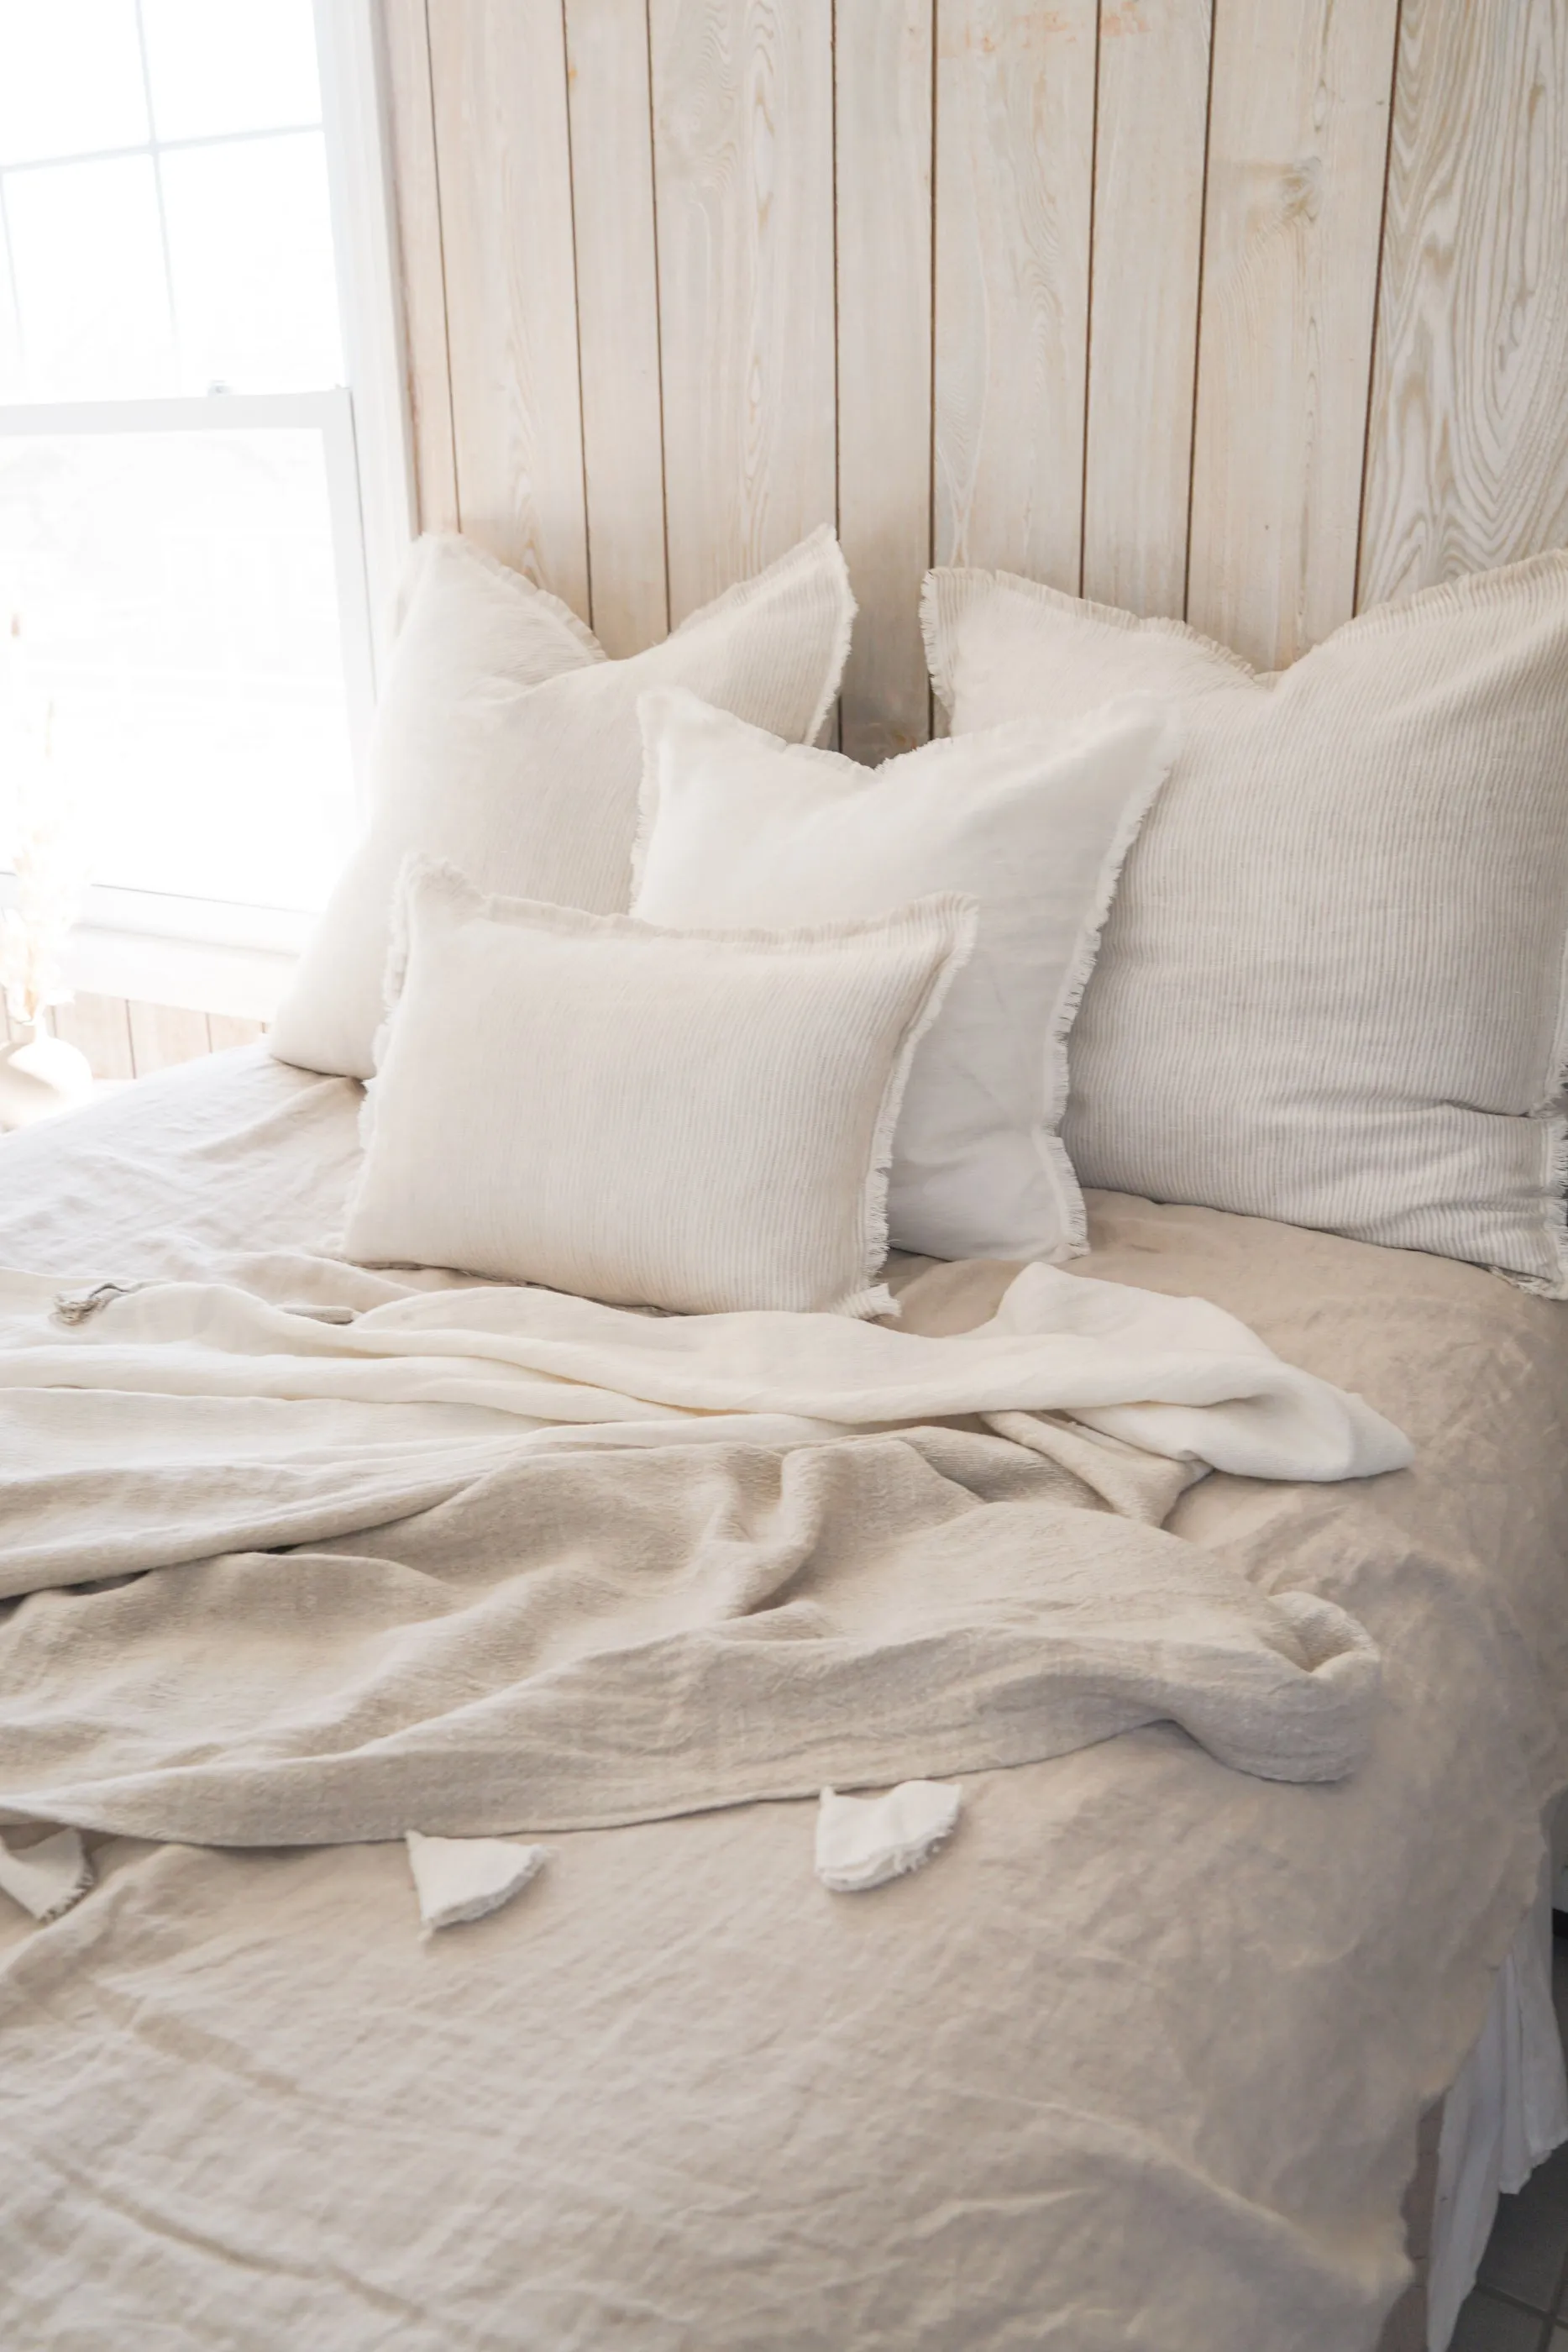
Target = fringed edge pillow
(698,1121)
(1334,986)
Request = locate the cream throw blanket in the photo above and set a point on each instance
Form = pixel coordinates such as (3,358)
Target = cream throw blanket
(555,1565)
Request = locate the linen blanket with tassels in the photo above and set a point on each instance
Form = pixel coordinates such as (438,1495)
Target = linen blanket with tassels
(306,1571)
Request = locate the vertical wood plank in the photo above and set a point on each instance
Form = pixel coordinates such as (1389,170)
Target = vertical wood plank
(1296,154)
(99,1027)
(743,157)
(162,1034)
(1149,158)
(499,78)
(1467,457)
(882,122)
(226,1029)
(618,318)
(417,209)
(1015,118)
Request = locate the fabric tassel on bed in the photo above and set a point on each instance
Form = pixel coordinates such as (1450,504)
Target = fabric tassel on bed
(459,1879)
(48,1878)
(862,1841)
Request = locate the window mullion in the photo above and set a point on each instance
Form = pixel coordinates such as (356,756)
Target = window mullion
(158,184)
(16,298)
(165,146)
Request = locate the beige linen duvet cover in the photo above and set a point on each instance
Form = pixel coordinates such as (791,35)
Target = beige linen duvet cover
(1138,2062)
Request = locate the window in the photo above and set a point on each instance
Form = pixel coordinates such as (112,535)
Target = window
(182,517)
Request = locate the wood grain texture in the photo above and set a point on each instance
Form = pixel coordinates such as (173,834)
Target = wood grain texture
(162,1034)
(882,117)
(1467,458)
(773,234)
(99,1027)
(1015,110)
(618,318)
(226,1029)
(498,68)
(1150,140)
(1297,153)
(743,153)
(417,208)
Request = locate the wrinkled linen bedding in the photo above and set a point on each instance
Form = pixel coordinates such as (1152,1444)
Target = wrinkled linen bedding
(533,1631)
(1139,2063)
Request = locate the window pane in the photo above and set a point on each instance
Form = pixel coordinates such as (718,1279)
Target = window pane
(89,259)
(70,79)
(12,384)
(179,610)
(230,65)
(250,247)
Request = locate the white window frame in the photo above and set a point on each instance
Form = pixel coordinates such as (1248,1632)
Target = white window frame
(213,955)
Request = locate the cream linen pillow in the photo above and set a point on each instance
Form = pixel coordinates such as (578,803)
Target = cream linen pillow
(1334,988)
(506,741)
(695,1120)
(1031,821)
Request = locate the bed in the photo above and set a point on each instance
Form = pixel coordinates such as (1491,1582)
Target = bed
(1153,2055)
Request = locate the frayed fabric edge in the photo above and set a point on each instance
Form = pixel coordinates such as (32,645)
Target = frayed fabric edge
(48,1879)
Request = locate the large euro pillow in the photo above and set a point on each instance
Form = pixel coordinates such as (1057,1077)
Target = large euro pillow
(1334,987)
(1031,821)
(507,743)
(699,1121)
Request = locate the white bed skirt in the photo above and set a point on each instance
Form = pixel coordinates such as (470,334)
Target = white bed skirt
(1507,2111)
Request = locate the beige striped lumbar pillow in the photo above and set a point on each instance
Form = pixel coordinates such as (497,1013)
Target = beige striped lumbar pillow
(1334,987)
(701,1121)
(506,741)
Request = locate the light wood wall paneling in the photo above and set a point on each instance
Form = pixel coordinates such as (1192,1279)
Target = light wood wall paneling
(1015,113)
(162,1034)
(498,68)
(1298,152)
(99,1027)
(618,318)
(1468,450)
(743,154)
(418,194)
(1152,128)
(226,1029)
(883,131)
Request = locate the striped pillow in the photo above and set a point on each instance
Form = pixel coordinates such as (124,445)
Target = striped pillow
(1334,986)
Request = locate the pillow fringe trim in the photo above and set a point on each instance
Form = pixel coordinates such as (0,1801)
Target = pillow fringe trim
(1055,1156)
(877,1299)
(961,916)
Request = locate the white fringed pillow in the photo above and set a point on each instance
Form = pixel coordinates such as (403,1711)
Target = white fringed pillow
(699,1121)
(507,742)
(1031,821)
(1334,987)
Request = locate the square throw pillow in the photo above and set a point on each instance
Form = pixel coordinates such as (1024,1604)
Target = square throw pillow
(1334,988)
(700,1121)
(1031,821)
(507,742)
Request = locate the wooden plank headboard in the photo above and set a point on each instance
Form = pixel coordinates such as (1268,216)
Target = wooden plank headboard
(1249,309)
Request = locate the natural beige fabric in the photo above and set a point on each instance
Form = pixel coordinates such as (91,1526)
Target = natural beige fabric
(677,1576)
(1033,822)
(1136,2066)
(694,1121)
(507,743)
(1334,987)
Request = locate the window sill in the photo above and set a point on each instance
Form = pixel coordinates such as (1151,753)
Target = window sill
(202,976)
